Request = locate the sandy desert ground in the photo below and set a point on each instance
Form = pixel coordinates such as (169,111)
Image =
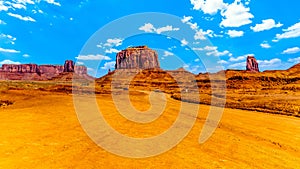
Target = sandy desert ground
(41,130)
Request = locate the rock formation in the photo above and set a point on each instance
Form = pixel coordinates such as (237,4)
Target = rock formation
(38,72)
(252,64)
(139,57)
(69,66)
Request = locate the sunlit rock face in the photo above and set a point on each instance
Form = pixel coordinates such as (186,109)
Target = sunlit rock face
(38,72)
(252,64)
(139,57)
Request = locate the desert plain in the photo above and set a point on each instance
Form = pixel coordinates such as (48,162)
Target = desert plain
(40,129)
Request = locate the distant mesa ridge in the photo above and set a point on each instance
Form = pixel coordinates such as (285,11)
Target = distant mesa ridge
(39,72)
(137,57)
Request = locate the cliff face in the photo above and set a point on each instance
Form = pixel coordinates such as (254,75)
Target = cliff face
(36,72)
(69,66)
(252,64)
(140,57)
(25,68)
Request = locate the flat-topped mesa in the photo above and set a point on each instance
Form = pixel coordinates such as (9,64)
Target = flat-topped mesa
(24,68)
(252,64)
(138,57)
(38,72)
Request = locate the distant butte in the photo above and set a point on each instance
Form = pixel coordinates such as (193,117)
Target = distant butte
(138,57)
(252,64)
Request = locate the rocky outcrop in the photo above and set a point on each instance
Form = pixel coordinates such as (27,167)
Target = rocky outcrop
(81,70)
(39,72)
(139,57)
(69,66)
(252,64)
(25,68)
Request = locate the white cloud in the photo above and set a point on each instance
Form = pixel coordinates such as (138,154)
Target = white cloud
(234,33)
(291,32)
(148,27)
(2,6)
(172,47)
(167,28)
(218,53)
(239,58)
(26,56)
(167,53)
(25,2)
(24,18)
(294,60)
(206,48)
(113,42)
(223,62)
(266,25)
(184,42)
(247,2)
(265,45)
(208,6)
(237,65)
(236,15)
(79,63)
(200,34)
(269,63)
(112,50)
(213,50)
(186,19)
(193,26)
(9,62)
(53,2)
(291,50)
(109,65)
(185,66)
(7,38)
(197,60)
(15,5)
(19,6)
(9,50)
(93,57)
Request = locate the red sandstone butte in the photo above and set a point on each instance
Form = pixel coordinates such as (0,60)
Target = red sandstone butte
(139,57)
(38,72)
(69,66)
(252,64)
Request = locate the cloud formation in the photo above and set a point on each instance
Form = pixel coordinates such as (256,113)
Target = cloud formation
(9,62)
(266,25)
(265,45)
(236,15)
(291,50)
(167,53)
(9,50)
(234,33)
(149,28)
(291,32)
(208,6)
(108,65)
(24,18)
(93,57)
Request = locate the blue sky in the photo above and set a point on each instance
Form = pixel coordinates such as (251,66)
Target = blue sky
(90,32)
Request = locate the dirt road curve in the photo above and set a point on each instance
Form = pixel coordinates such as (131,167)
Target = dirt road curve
(41,130)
